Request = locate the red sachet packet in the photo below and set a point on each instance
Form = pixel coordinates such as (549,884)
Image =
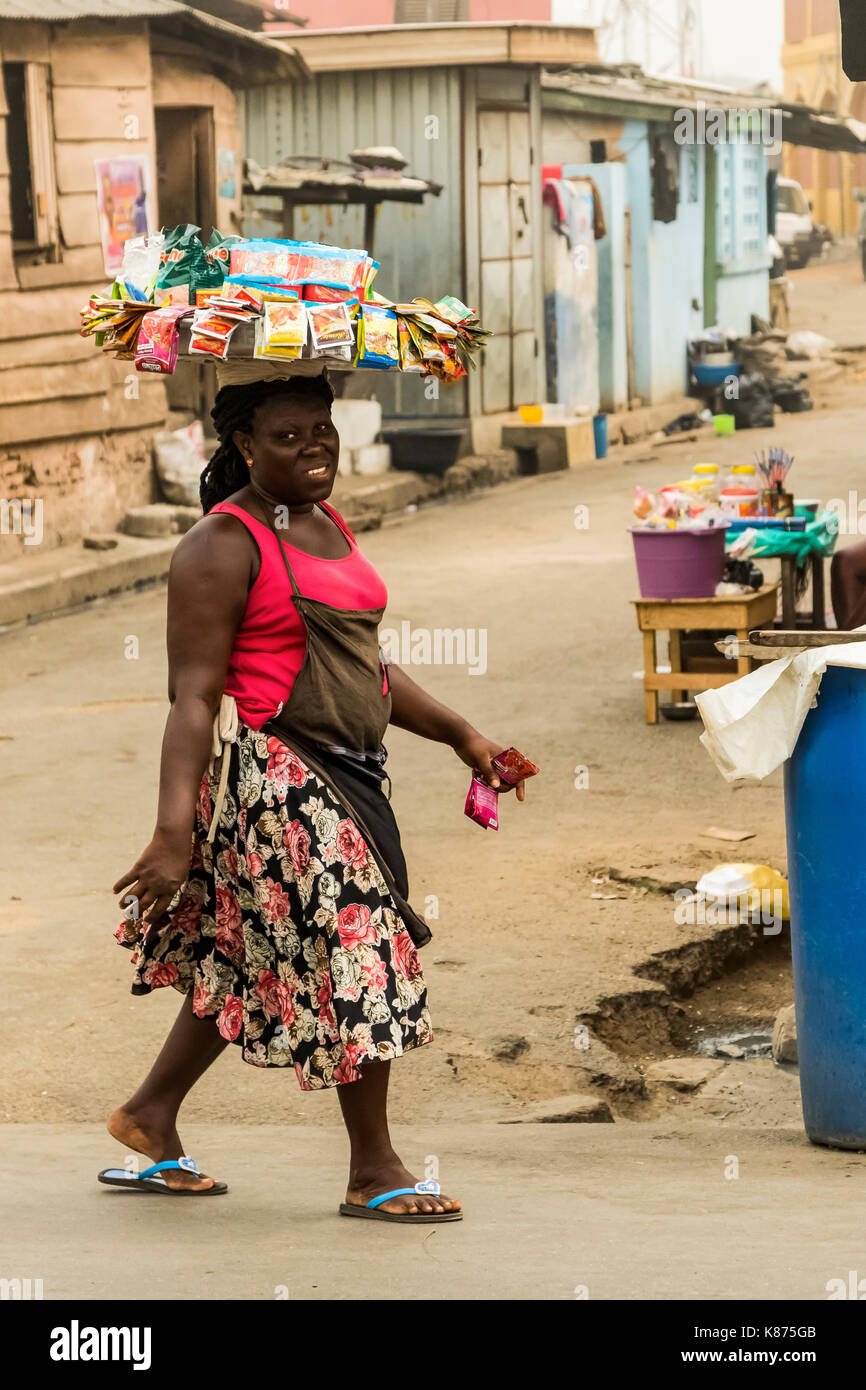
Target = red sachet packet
(513,767)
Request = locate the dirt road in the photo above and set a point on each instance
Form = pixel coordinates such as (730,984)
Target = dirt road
(523,954)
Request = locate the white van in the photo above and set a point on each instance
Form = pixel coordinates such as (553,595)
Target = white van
(794,230)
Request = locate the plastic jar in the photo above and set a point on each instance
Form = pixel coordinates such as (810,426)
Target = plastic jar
(739,501)
(706,477)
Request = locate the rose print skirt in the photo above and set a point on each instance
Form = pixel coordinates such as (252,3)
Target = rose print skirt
(286,932)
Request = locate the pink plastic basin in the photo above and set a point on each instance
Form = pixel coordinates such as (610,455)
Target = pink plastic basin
(679,564)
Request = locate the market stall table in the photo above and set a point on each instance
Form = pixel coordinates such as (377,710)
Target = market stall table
(732,614)
(794,550)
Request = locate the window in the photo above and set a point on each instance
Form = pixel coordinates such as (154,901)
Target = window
(792,199)
(741,207)
(30,151)
(430,11)
(664,176)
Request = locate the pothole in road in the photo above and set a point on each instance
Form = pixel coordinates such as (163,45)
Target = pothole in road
(736,1046)
(715,998)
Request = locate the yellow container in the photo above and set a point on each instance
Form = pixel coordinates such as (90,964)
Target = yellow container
(532,414)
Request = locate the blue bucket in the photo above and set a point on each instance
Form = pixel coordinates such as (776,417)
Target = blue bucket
(599,430)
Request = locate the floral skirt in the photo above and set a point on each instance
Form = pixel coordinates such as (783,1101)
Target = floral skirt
(286,932)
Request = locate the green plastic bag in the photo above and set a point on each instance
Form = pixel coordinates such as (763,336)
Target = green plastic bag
(819,538)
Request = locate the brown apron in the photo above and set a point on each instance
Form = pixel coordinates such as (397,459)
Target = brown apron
(340,699)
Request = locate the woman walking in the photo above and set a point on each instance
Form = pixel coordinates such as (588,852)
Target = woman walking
(273,893)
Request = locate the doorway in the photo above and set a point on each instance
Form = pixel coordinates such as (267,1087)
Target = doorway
(186,192)
(185,166)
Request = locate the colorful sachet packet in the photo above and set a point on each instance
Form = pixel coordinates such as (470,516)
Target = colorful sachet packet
(410,356)
(482,804)
(182,263)
(330,327)
(159,339)
(299,262)
(283,330)
(377,338)
(213,326)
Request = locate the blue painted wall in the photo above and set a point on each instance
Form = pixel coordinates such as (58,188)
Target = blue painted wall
(668,261)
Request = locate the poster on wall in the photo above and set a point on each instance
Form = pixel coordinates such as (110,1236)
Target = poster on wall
(122,194)
(227,178)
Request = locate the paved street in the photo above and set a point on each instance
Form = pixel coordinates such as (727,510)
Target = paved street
(521,950)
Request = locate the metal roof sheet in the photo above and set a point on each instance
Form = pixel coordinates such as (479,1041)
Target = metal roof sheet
(281,60)
(54,11)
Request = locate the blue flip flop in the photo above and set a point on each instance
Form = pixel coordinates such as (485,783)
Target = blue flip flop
(149,1182)
(372,1212)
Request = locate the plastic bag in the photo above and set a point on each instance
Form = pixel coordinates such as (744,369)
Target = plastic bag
(805,344)
(141,258)
(183,267)
(791,394)
(180,459)
(752,407)
(819,538)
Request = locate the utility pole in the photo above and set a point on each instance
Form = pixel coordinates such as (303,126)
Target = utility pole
(625,8)
(687,25)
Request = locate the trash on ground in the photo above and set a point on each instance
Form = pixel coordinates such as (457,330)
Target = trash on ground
(714,832)
(751,887)
(805,344)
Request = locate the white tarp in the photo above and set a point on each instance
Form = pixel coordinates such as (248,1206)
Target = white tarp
(752,724)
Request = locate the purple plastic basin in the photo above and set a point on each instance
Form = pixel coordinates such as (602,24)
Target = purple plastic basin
(679,564)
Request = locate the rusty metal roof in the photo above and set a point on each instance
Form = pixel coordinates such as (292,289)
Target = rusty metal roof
(335,181)
(170,16)
(58,11)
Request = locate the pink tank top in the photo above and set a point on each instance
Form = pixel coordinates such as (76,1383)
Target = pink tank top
(270,643)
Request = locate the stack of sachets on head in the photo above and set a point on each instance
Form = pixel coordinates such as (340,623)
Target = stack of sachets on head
(303,300)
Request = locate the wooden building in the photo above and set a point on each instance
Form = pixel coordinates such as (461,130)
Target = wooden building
(87,81)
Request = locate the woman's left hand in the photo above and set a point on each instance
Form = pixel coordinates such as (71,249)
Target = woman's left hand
(477,752)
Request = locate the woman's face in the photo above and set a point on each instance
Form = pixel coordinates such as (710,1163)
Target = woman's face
(294,446)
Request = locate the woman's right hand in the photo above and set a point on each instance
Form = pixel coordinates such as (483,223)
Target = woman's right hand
(155,877)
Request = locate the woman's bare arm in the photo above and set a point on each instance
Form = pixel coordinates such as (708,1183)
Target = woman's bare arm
(413,709)
(207,593)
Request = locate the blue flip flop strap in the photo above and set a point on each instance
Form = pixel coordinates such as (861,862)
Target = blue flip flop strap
(169,1163)
(397,1192)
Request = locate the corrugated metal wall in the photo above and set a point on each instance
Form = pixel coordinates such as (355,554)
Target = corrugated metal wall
(420,246)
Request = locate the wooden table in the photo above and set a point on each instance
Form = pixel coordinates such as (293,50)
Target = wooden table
(734,615)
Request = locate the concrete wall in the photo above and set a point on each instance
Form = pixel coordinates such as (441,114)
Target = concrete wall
(612,339)
(342,14)
(667,272)
(668,257)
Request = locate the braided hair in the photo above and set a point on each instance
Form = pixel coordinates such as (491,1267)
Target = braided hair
(234,407)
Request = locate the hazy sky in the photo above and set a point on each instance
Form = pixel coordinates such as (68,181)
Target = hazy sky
(735,40)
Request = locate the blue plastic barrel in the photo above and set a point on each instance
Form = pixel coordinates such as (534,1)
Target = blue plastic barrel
(599,430)
(825,808)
